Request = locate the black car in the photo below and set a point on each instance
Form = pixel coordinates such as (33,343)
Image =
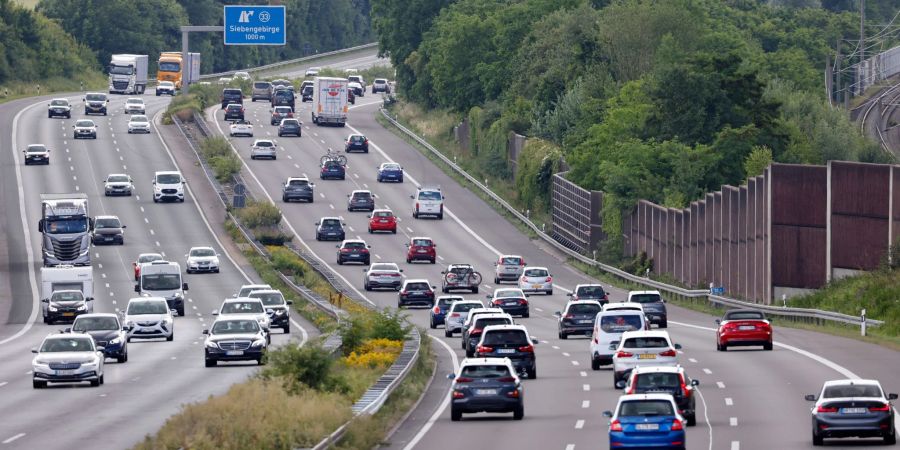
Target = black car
(577,318)
(512,301)
(853,408)
(330,228)
(415,292)
(234,111)
(108,230)
(276,308)
(235,340)
(232,95)
(489,385)
(509,341)
(107,332)
(666,380)
(472,335)
(283,97)
(353,251)
(298,189)
(306,94)
(333,170)
(290,127)
(654,306)
(356,142)
(361,201)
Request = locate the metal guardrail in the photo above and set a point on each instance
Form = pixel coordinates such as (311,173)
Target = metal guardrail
(292,61)
(793,313)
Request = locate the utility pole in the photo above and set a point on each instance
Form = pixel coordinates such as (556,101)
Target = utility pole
(862,45)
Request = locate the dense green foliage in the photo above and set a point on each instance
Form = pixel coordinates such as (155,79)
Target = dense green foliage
(152,26)
(34,49)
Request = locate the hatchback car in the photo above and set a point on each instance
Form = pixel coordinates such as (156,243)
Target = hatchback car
(474,313)
(332,170)
(381,85)
(390,172)
(415,292)
(383,275)
(148,318)
(356,142)
(306,94)
(668,380)
(118,184)
(290,127)
(646,420)
(65,304)
(246,289)
(742,327)
(234,339)
(107,332)
(330,228)
(312,71)
(511,300)
(298,188)
(472,335)
(421,248)
(536,279)
(357,89)
(509,341)
(590,292)
(360,200)
(202,259)
(382,220)
(643,348)
(59,107)
(508,268)
(67,358)
(108,230)
(577,318)
(138,124)
(276,307)
(439,312)
(486,385)
(654,306)
(353,250)
(456,315)
(84,128)
(852,408)
(234,111)
(264,148)
(135,105)
(144,258)
(280,113)
(36,154)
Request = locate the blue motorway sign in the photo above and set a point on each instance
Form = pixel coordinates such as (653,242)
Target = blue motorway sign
(254,25)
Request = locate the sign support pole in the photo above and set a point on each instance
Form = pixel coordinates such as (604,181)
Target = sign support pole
(185,45)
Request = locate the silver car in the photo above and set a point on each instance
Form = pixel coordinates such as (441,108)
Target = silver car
(263,148)
(67,358)
(138,124)
(383,275)
(457,314)
(508,268)
(135,105)
(536,279)
(149,317)
(118,184)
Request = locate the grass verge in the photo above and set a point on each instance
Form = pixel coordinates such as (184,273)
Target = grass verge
(15,90)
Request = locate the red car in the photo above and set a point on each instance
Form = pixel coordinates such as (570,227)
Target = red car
(742,327)
(382,220)
(144,258)
(421,248)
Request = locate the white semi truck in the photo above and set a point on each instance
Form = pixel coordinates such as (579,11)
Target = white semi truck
(330,102)
(128,74)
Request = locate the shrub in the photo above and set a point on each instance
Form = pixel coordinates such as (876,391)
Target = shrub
(271,236)
(353,333)
(286,261)
(259,214)
(225,167)
(308,366)
(387,324)
(215,146)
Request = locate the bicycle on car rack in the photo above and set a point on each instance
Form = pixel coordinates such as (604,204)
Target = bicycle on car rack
(332,155)
(461,276)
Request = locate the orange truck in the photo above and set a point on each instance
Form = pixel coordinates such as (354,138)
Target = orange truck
(170,67)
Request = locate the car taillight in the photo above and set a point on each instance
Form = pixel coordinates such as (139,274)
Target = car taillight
(524,279)
(677,425)
(568,316)
(826,409)
(364,250)
(522,262)
(669,353)
(513,393)
(483,349)
(615,426)
(345,250)
(622,354)
(522,301)
(475,332)
(417,205)
(437,310)
(527,349)
(631,388)
(549,279)
(880,408)
(454,315)
(606,297)
(464,380)
(458,394)
(403,292)
(594,336)
(684,389)
(497,302)
(506,379)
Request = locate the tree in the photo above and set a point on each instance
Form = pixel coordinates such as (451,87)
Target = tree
(758,160)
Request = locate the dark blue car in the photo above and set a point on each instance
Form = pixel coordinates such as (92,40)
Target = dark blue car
(107,332)
(332,170)
(646,421)
(441,306)
(390,172)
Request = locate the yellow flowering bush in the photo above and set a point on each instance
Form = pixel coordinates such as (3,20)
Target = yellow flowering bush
(375,353)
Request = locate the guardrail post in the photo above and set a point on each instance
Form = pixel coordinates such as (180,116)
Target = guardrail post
(862,325)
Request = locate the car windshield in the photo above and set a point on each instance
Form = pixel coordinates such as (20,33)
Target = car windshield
(95,324)
(242,308)
(134,101)
(333,165)
(262,85)
(422,243)
(234,107)
(235,327)
(506,337)
(649,381)
(380,81)
(37,148)
(246,290)
(429,195)
(465,307)
(117,179)
(269,298)
(355,245)
(620,323)
(357,138)
(84,123)
(290,123)
(264,144)
(147,307)
(745,315)
(507,293)
(511,261)
(390,167)
(66,226)
(107,223)
(645,298)
(536,273)
(161,281)
(447,301)
(384,266)
(299,183)
(645,342)
(232,93)
(59,103)
(852,390)
(165,84)
(590,292)
(485,371)
(383,214)
(287,94)
(584,308)
(70,296)
(138,118)
(331,223)
(74,344)
(149,258)
(95,97)
(418,287)
(203,252)
(282,110)
(646,408)
(362,195)
(168,179)
(482,322)
(169,67)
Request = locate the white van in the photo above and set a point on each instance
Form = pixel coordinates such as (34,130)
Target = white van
(608,329)
(163,279)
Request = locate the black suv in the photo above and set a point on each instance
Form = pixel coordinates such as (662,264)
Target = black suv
(509,341)
(232,95)
(666,380)
(353,251)
(361,200)
(472,335)
(289,126)
(276,308)
(330,228)
(283,97)
(356,142)
(298,189)
(332,169)
(590,292)
(486,386)
(108,230)
(234,111)
(306,94)
(577,318)
(654,306)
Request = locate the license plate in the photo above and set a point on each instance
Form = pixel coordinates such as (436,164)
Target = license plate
(585,321)
(536,286)
(234,352)
(511,303)
(65,372)
(383,221)
(746,327)
(646,426)
(646,356)
(68,314)
(854,410)
(506,351)
(107,239)
(420,251)
(485,392)
(354,256)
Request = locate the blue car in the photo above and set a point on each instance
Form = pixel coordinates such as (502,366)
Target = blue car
(390,172)
(646,421)
(441,306)
(332,170)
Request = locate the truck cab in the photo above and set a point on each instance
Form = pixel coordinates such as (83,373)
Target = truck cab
(163,279)
(66,226)
(127,74)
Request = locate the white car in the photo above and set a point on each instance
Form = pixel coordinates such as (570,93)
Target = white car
(623,306)
(67,358)
(118,184)
(643,348)
(428,200)
(165,87)
(84,128)
(608,329)
(312,71)
(381,85)
(135,105)
(456,315)
(263,148)
(241,76)
(36,154)
(138,123)
(248,288)
(168,185)
(244,307)
(148,318)
(224,80)
(202,259)
(59,107)
(240,128)
(536,279)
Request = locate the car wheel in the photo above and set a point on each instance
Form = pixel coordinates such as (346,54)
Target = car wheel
(261,361)
(432,260)
(469,353)
(724,347)
(550,292)
(526,315)
(496,280)
(595,364)
(170,337)
(664,324)
(38,384)
(211,362)
(532,374)
(817,440)
(440,216)
(563,335)
(431,324)
(367,287)
(767,346)
(189,271)
(455,414)
(519,412)
(475,290)
(128,339)
(444,289)
(415,214)
(891,439)
(102,379)
(691,419)
(448,333)
(95,383)
(408,261)
(121,359)
(370,230)
(340,262)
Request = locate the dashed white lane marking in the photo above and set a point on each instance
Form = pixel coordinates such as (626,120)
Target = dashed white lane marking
(351,228)
(28,373)
(586,387)
(579,424)
(13,438)
(585,404)
(152,232)
(409,229)
(566,354)
(692,360)
(583,373)
(103,275)
(732,421)
(321,195)
(107,285)
(296,166)
(332,206)
(174,358)
(735,445)
(555,347)
(157,243)
(142,209)
(707,371)
(3,384)
(680,352)
(440,257)
(575,363)
(146,220)
(377,256)
(570,447)
(729,401)
(720,384)
(100,266)
(543,342)
(538,309)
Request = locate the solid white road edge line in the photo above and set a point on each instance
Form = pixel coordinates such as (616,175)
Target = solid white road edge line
(706,417)
(437,414)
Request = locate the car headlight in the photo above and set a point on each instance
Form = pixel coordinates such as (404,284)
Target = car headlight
(52,308)
(81,308)
(167,320)
(40,362)
(179,295)
(115,341)
(259,343)
(280,312)
(212,344)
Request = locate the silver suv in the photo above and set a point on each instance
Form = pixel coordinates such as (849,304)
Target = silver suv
(509,268)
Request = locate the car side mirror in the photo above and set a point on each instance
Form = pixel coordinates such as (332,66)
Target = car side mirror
(607,414)
(401,270)
(535,341)
(205,331)
(174,312)
(290,302)
(369,216)
(695,382)
(67,330)
(412,197)
(528,295)
(101,348)
(810,397)
(664,301)
(677,346)
(368,246)
(317,223)
(569,294)
(488,296)
(184,286)
(126,328)
(434,287)
(215,312)
(46,300)
(718,321)
(450,376)
(557,313)
(137,288)
(620,384)
(892,396)
(337,246)
(124,226)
